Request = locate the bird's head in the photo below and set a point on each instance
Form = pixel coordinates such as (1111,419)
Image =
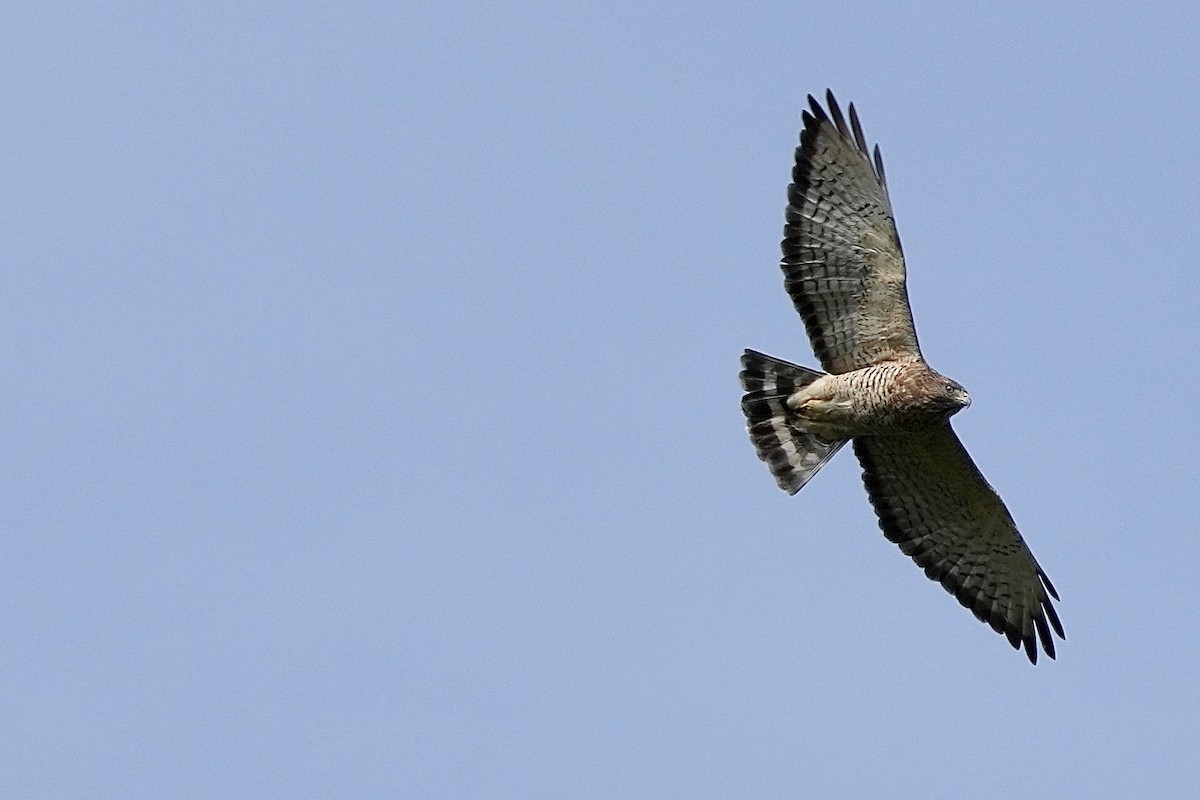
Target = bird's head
(956,396)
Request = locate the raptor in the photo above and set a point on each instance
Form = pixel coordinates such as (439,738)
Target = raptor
(844,270)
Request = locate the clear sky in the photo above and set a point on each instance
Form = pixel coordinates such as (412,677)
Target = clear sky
(370,407)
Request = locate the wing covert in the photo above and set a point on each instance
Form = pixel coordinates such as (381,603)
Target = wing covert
(842,261)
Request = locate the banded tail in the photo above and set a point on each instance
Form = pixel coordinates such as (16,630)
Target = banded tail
(793,455)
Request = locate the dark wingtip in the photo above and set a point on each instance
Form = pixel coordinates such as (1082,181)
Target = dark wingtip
(815,108)
(835,112)
(832,102)
(1044,634)
(859,137)
(851,130)
(1049,586)
(1052,615)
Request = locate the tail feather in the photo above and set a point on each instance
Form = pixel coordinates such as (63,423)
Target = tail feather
(792,454)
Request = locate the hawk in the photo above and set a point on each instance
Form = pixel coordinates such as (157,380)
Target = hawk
(844,271)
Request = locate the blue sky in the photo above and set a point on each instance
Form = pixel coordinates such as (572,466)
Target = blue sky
(370,410)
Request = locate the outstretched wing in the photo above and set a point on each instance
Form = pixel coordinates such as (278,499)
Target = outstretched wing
(933,502)
(841,254)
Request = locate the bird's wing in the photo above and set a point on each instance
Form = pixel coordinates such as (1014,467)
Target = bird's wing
(932,501)
(842,261)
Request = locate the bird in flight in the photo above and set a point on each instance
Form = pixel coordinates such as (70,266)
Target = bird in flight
(844,270)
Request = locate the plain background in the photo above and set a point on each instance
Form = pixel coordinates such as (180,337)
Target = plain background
(370,413)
